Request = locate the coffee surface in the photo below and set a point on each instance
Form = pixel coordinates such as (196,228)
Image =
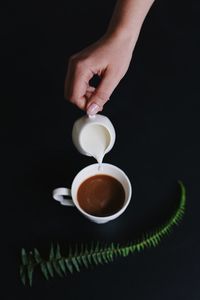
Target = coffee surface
(101,195)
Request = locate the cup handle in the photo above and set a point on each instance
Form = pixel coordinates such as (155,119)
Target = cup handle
(59,193)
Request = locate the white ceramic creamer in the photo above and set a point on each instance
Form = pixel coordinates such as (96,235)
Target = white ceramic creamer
(94,136)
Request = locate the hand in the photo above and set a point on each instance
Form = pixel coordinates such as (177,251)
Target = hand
(109,58)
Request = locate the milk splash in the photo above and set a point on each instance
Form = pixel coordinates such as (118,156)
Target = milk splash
(95,140)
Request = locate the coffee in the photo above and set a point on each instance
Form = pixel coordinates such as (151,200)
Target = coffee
(101,195)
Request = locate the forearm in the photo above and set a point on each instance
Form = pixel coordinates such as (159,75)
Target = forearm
(128,18)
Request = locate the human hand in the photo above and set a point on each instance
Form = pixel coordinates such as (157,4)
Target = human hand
(109,58)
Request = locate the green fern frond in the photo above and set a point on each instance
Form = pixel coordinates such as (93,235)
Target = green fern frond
(95,254)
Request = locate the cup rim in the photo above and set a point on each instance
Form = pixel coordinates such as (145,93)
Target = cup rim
(116,214)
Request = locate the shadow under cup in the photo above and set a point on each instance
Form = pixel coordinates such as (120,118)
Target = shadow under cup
(108,170)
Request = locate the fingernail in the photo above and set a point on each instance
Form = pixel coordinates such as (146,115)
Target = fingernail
(93,109)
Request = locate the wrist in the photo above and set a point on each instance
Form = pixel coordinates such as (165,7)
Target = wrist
(125,35)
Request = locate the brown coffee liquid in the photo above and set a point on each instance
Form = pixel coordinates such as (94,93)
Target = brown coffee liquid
(101,195)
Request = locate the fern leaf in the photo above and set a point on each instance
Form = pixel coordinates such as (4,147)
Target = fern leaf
(99,258)
(97,247)
(58,254)
(30,274)
(132,248)
(56,267)
(95,258)
(44,270)
(75,263)
(110,255)
(84,260)
(79,260)
(92,247)
(23,274)
(37,256)
(62,265)
(50,269)
(51,254)
(24,257)
(104,257)
(89,257)
(69,265)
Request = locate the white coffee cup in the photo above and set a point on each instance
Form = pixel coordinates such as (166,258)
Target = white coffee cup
(60,194)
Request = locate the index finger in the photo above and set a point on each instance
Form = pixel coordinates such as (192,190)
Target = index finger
(76,84)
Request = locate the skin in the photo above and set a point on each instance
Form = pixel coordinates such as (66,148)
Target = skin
(108,58)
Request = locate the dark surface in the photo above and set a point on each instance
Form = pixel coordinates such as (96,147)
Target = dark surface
(155,111)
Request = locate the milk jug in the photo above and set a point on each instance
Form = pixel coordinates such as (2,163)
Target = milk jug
(94,136)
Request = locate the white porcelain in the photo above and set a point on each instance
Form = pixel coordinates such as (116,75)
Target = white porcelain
(82,125)
(60,194)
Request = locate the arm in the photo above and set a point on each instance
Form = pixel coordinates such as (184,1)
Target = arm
(128,18)
(109,57)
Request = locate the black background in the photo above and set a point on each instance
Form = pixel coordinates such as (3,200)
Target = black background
(155,111)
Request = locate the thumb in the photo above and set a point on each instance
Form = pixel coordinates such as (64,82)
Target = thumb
(102,93)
